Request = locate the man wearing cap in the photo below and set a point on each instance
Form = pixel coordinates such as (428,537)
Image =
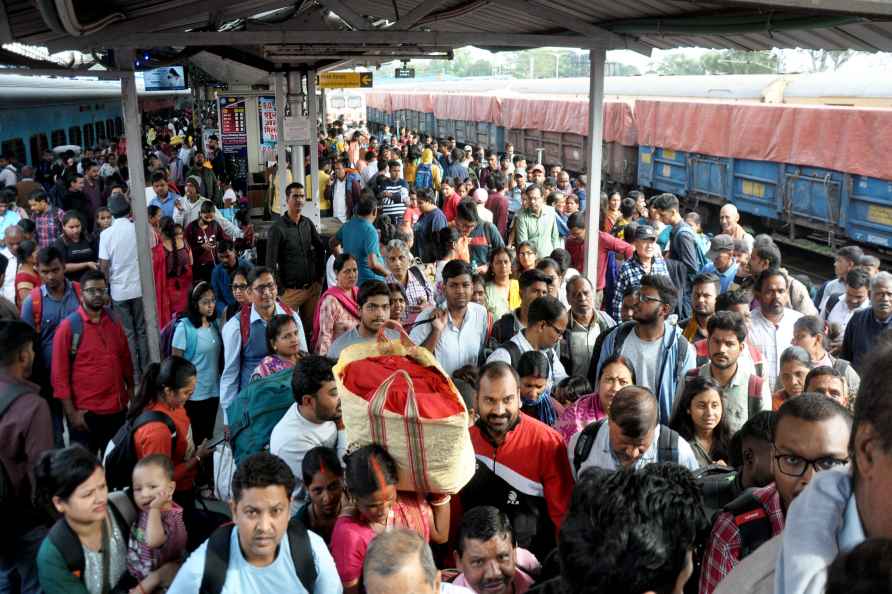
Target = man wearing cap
(537,174)
(722,262)
(209,187)
(192,202)
(118,261)
(645,260)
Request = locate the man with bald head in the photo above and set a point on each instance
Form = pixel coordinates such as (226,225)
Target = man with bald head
(12,237)
(729,219)
(630,437)
(401,561)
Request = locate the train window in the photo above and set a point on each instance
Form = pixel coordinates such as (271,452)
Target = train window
(57,138)
(74,135)
(38,144)
(110,128)
(89,135)
(337,102)
(119,127)
(354,102)
(14,147)
(100,131)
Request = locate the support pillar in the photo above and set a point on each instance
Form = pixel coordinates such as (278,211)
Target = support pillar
(314,212)
(295,93)
(597,58)
(281,157)
(137,182)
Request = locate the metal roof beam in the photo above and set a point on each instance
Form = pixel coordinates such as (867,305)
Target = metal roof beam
(346,14)
(849,7)
(572,22)
(343,38)
(423,9)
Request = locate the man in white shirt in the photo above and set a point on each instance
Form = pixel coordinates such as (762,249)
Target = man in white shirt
(256,555)
(118,261)
(8,174)
(846,259)
(371,168)
(546,323)
(772,323)
(839,308)
(631,437)
(12,237)
(454,335)
(313,420)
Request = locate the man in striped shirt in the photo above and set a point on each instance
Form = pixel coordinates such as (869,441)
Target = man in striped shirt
(393,194)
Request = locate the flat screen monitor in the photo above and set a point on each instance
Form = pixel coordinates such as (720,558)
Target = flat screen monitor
(168,78)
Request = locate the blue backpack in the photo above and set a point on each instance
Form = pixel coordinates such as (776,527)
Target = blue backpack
(255,411)
(424,177)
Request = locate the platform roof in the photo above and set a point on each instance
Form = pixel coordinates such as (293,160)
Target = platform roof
(272,35)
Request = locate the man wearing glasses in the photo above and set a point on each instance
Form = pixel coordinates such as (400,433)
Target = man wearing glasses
(245,345)
(92,371)
(811,435)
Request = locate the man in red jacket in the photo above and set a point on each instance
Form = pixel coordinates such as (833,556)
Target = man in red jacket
(522,464)
(94,383)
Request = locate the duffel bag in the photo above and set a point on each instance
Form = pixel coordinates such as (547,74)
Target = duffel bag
(395,394)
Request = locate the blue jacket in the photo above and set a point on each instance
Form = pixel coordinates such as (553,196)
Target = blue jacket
(673,364)
(861,336)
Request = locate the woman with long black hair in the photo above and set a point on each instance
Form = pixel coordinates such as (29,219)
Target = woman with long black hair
(197,339)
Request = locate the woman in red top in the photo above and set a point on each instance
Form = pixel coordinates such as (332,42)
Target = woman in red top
(177,265)
(165,388)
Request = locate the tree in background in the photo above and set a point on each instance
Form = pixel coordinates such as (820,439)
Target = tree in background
(828,60)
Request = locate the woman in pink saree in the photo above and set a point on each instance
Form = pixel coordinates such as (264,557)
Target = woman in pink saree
(337,311)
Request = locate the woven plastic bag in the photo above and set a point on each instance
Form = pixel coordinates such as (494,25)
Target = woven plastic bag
(426,433)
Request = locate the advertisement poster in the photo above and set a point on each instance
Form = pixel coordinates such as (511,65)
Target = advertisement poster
(234,135)
(266,106)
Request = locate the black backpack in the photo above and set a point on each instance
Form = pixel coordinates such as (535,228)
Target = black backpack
(216,561)
(120,456)
(667,445)
(752,521)
(69,545)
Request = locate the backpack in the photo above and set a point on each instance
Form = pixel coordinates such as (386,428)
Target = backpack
(8,502)
(255,412)
(702,260)
(120,454)
(167,334)
(216,561)
(667,445)
(69,545)
(753,391)
(752,521)
(245,324)
(718,484)
(681,343)
(424,177)
(37,303)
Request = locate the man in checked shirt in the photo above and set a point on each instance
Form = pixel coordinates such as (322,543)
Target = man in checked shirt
(811,434)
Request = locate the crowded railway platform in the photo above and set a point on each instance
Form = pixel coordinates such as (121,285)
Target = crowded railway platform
(589,337)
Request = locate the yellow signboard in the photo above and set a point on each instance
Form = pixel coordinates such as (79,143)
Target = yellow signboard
(344,80)
(880,215)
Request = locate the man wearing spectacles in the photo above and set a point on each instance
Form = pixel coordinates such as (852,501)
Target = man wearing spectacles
(811,435)
(96,382)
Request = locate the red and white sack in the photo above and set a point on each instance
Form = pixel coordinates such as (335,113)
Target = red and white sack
(395,394)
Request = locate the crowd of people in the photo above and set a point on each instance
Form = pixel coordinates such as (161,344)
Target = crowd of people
(694,419)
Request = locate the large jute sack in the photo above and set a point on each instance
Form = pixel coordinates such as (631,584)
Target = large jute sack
(395,394)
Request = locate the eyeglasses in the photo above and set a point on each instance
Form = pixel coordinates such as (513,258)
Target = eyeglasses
(238,287)
(556,329)
(648,299)
(268,288)
(795,466)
